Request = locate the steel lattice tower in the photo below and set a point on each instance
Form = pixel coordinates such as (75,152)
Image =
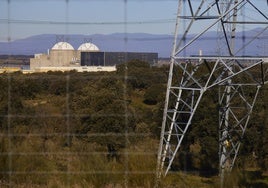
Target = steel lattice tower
(228,67)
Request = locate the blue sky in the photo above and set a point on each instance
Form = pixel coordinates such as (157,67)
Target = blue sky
(90,17)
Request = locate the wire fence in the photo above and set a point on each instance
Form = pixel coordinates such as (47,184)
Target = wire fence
(39,147)
(61,156)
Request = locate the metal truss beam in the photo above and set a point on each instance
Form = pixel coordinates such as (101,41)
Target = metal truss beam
(185,94)
(235,109)
(190,77)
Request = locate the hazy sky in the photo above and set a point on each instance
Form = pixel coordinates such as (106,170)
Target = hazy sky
(86,16)
(32,17)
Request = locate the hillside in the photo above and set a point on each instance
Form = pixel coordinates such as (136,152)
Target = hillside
(135,42)
(102,130)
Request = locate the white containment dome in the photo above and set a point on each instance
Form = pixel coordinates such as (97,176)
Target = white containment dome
(62,46)
(88,47)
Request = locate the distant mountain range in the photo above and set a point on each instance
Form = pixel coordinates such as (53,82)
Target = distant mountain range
(133,42)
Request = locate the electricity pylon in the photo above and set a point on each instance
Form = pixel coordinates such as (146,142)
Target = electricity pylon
(192,75)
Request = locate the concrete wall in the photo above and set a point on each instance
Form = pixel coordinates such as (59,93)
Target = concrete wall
(77,68)
(56,58)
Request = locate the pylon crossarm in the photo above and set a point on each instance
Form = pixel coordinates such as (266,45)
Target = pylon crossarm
(224,68)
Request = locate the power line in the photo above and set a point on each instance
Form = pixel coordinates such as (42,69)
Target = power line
(49,22)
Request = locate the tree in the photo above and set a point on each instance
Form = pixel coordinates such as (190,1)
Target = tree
(111,124)
(110,115)
(154,94)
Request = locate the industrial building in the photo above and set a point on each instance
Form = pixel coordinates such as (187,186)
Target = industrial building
(62,56)
(113,58)
(88,57)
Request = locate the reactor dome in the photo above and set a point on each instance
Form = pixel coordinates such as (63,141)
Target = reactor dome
(88,47)
(62,46)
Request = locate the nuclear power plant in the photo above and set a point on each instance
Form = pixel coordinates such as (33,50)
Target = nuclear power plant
(88,57)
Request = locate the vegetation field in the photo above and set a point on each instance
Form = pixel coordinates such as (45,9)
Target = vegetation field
(102,130)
